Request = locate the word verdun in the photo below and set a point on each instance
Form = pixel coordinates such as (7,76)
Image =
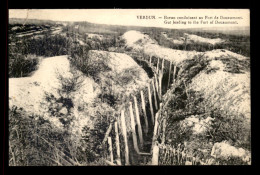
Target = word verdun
(145,17)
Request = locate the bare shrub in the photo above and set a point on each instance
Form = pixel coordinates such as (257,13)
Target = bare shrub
(225,126)
(234,65)
(21,66)
(33,141)
(92,147)
(63,105)
(69,84)
(232,128)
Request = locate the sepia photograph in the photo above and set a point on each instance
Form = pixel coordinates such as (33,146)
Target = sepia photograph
(127,87)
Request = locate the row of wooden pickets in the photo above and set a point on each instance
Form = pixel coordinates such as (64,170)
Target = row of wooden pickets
(155,86)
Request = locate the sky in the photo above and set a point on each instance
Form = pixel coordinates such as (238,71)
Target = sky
(129,16)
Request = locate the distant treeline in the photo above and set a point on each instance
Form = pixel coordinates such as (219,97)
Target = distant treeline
(234,43)
(18,28)
(23,21)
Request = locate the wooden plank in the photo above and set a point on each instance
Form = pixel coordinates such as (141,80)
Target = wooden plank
(107,133)
(123,127)
(118,160)
(154,94)
(109,163)
(109,140)
(140,133)
(144,110)
(145,154)
(150,102)
(169,79)
(133,127)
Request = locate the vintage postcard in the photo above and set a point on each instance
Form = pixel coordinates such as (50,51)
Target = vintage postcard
(117,87)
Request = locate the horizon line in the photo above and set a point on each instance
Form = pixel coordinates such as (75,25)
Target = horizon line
(67,21)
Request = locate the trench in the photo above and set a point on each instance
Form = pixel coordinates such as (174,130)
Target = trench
(150,65)
(145,66)
(135,158)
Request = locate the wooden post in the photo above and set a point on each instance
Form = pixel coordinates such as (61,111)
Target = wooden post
(164,129)
(140,133)
(117,145)
(150,102)
(125,137)
(109,140)
(156,83)
(172,156)
(160,107)
(154,94)
(169,79)
(162,65)
(174,72)
(157,68)
(155,129)
(159,119)
(160,85)
(144,110)
(133,127)
(155,157)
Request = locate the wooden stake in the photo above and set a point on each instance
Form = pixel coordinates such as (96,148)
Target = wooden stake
(159,119)
(107,133)
(174,72)
(155,129)
(125,137)
(157,68)
(160,85)
(109,140)
(144,110)
(160,106)
(155,157)
(150,102)
(140,133)
(169,79)
(133,127)
(162,65)
(154,94)
(156,83)
(117,145)
(164,129)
